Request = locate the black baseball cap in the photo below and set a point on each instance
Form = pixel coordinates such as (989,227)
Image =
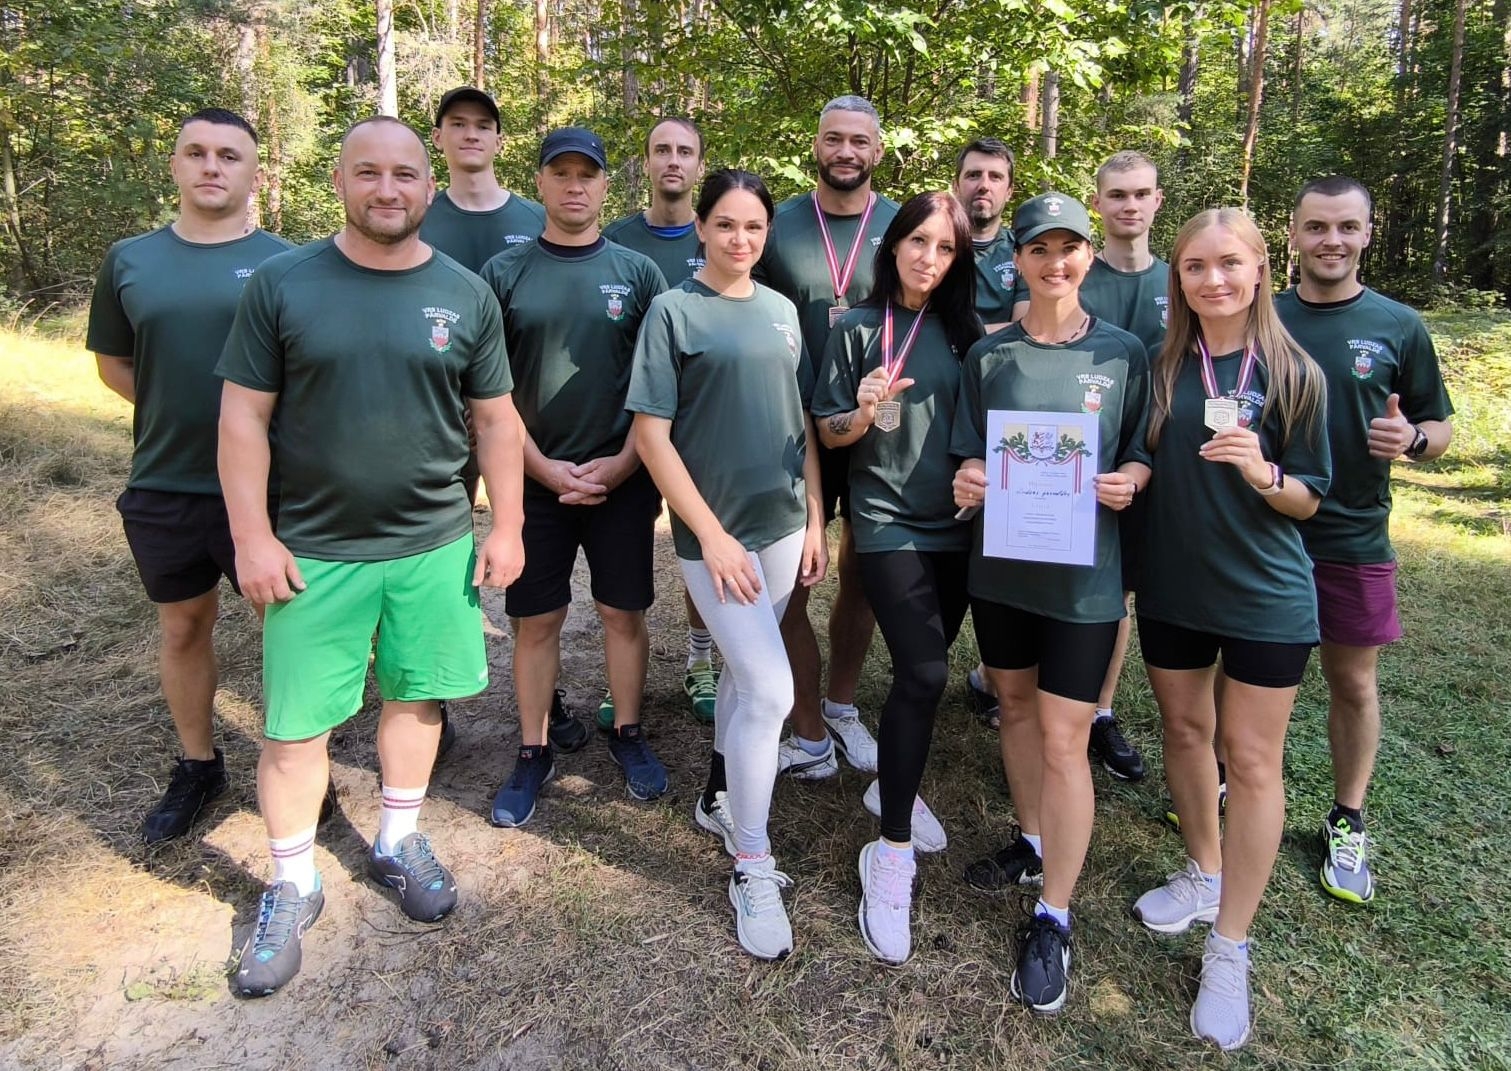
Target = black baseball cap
(574,139)
(1050,212)
(468,93)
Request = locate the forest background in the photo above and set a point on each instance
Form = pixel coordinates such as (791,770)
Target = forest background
(1239,100)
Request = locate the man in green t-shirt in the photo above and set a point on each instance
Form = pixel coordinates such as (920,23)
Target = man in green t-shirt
(572,305)
(665,233)
(162,305)
(983,185)
(821,256)
(369,346)
(1385,400)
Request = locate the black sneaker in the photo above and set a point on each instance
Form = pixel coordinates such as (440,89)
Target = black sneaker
(988,710)
(566,731)
(195,782)
(1111,748)
(427,891)
(1042,976)
(448,733)
(1016,864)
(273,952)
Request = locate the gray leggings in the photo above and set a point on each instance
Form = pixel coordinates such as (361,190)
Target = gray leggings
(755,689)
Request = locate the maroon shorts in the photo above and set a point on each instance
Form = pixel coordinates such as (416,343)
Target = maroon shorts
(1356,604)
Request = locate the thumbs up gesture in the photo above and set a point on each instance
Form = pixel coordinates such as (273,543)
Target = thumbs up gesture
(1390,434)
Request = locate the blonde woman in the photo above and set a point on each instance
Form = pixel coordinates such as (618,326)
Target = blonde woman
(1240,455)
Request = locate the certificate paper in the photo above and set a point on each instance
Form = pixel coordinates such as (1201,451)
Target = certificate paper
(1041,505)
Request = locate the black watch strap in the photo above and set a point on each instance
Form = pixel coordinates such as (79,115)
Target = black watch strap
(1418,445)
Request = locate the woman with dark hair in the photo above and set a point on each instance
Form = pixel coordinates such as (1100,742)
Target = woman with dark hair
(1238,436)
(720,390)
(1046,631)
(887,390)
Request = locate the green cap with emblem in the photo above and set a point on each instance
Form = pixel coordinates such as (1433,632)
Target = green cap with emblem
(1050,212)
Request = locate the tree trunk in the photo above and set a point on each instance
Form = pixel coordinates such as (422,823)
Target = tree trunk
(1395,218)
(1030,98)
(1299,69)
(29,278)
(542,63)
(388,84)
(1049,137)
(479,38)
(1190,67)
(1450,146)
(1256,97)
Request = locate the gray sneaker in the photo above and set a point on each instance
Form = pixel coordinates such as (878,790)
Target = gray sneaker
(1345,862)
(1185,898)
(1221,1012)
(755,891)
(427,891)
(273,952)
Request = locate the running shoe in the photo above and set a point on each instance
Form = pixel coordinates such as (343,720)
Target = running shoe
(987,709)
(427,891)
(606,712)
(1173,820)
(1345,861)
(1221,1012)
(272,954)
(644,776)
(1111,748)
(514,802)
(886,903)
(194,783)
(761,921)
(793,761)
(1184,899)
(701,685)
(565,730)
(853,740)
(928,834)
(1042,977)
(717,820)
(1016,864)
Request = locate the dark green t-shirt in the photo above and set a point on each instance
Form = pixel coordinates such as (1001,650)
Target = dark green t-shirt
(1217,557)
(997,285)
(1369,349)
(1105,372)
(570,325)
(794,264)
(168,304)
(473,238)
(678,258)
(732,377)
(1136,301)
(371,369)
(900,481)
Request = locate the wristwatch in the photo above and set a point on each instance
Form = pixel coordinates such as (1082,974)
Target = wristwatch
(1418,445)
(1277,481)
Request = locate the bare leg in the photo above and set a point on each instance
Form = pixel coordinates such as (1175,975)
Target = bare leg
(186,662)
(537,664)
(1067,800)
(408,734)
(1353,718)
(291,780)
(851,624)
(1190,722)
(626,653)
(1022,745)
(1119,653)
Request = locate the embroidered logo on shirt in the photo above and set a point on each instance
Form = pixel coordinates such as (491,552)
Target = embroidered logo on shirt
(441,320)
(1009,272)
(1094,383)
(244,273)
(517,239)
(1250,405)
(1164,310)
(615,293)
(786,330)
(1365,352)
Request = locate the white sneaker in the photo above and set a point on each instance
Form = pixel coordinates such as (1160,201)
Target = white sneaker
(1221,1012)
(761,922)
(928,834)
(1183,899)
(886,903)
(793,761)
(853,740)
(717,819)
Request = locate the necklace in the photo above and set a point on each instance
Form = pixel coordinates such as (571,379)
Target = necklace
(1085,322)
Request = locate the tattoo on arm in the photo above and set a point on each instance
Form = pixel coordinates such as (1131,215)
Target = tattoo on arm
(839,423)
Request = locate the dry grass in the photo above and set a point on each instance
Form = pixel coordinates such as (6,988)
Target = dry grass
(600,935)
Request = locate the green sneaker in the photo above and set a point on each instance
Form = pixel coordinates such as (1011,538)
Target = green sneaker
(702,687)
(606,712)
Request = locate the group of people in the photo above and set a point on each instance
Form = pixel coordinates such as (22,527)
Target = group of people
(765,369)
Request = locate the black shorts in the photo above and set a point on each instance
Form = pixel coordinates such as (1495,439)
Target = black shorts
(1072,657)
(181,542)
(1256,662)
(617,535)
(834,481)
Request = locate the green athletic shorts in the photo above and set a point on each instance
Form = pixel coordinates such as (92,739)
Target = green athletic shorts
(315,647)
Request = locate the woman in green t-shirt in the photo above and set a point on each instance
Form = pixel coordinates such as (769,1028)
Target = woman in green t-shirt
(1240,455)
(720,390)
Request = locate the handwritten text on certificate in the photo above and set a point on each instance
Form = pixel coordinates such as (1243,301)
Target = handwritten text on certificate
(1041,505)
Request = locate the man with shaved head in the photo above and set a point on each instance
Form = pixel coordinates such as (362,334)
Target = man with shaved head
(370,345)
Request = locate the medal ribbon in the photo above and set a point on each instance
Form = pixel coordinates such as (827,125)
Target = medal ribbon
(1209,376)
(840,279)
(892,364)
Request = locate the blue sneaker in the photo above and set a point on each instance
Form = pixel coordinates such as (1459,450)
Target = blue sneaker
(515,801)
(271,957)
(427,891)
(644,776)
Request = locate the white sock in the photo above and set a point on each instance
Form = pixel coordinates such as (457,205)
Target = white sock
(294,860)
(896,852)
(1103,713)
(812,747)
(1059,914)
(1036,843)
(700,646)
(399,817)
(1214,881)
(839,710)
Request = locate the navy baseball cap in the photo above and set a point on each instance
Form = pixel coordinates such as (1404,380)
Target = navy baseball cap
(472,94)
(574,139)
(1050,212)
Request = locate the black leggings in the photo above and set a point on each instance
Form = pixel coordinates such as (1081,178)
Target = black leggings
(919,599)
